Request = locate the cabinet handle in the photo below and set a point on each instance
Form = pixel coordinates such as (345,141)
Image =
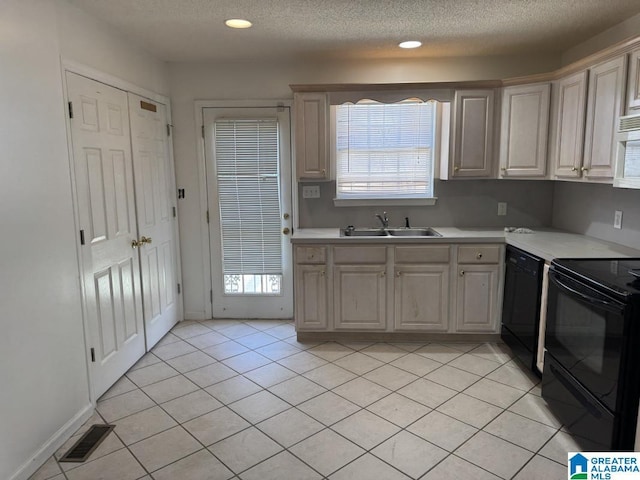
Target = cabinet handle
(504,169)
(135,244)
(479,256)
(584,169)
(382,274)
(322,273)
(398,274)
(574,169)
(324,172)
(456,168)
(462,273)
(286,230)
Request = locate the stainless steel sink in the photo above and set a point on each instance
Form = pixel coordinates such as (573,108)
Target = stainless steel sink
(363,232)
(413,232)
(392,232)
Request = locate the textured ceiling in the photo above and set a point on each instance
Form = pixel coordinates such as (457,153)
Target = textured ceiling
(193,30)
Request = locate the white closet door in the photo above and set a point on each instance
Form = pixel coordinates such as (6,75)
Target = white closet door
(105,201)
(155,205)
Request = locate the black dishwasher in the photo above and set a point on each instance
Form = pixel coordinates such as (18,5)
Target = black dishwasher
(521,304)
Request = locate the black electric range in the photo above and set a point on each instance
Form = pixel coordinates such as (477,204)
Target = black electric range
(591,377)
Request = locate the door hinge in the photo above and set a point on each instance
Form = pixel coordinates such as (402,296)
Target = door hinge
(211,296)
(179,289)
(70,109)
(207,216)
(174,211)
(81,237)
(93,354)
(202,131)
(169,129)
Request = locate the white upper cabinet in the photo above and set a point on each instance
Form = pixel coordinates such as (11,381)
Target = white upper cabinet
(473,134)
(312,135)
(633,95)
(605,103)
(524,130)
(568,120)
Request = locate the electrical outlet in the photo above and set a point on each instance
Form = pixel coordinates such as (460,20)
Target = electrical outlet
(502,208)
(617,220)
(311,191)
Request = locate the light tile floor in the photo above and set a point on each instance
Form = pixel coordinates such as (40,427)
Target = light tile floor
(245,400)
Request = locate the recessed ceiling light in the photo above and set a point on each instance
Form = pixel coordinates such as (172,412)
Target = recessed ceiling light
(238,23)
(410,44)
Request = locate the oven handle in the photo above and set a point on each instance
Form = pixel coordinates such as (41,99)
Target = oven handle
(613,307)
(593,410)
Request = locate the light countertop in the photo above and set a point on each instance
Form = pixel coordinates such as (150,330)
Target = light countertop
(545,243)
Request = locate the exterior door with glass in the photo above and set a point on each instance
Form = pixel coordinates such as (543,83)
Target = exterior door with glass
(248,165)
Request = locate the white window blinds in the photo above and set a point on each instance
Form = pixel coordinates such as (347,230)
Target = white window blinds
(246,153)
(385,150)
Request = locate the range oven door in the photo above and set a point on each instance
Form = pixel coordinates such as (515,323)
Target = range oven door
(585,335)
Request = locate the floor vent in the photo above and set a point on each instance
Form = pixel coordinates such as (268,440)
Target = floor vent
(87,443)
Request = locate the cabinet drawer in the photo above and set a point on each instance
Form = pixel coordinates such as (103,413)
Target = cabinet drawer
(358,254)
(423,254)
(311,255)
(479,254)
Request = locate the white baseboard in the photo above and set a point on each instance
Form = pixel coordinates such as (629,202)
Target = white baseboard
(53,444)
(191,315)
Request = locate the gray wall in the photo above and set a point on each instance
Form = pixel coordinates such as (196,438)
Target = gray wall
(461,203)
(589,209)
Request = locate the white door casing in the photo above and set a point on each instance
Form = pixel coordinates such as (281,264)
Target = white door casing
(104,185)
(156,210)
(249,305)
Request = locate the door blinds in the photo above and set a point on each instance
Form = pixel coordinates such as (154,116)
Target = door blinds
(246,153)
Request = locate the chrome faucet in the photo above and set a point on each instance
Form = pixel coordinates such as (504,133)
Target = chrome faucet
(384,220)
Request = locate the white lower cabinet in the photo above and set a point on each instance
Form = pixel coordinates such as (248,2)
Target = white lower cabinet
(398,288)
(477,298)
(359,297)
(478,270)
(311,297)
(422,298)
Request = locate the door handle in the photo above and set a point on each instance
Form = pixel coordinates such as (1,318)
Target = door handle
(144,240)
(135,244)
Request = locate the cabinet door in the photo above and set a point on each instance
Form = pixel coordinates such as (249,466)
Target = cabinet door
(312,135)
(570,101)
(311,297)
(523,134)
(633,97)
(359,297)
(422,297)
(473,133)
(477,298)
(604,106)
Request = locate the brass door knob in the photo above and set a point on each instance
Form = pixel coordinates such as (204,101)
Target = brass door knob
(456,168)
(479,256)
(584,169)
(135,244)
(574,169)
(462,273)
(285,216)
(144,239)
(398,274)
(286,230)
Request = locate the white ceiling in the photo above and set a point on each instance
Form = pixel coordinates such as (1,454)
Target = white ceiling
(193,30)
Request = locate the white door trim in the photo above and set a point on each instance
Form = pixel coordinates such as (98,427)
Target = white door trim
(199,106)
(67,65)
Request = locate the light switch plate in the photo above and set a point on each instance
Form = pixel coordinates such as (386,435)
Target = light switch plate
(617,219)
(502,208)
(311,191)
